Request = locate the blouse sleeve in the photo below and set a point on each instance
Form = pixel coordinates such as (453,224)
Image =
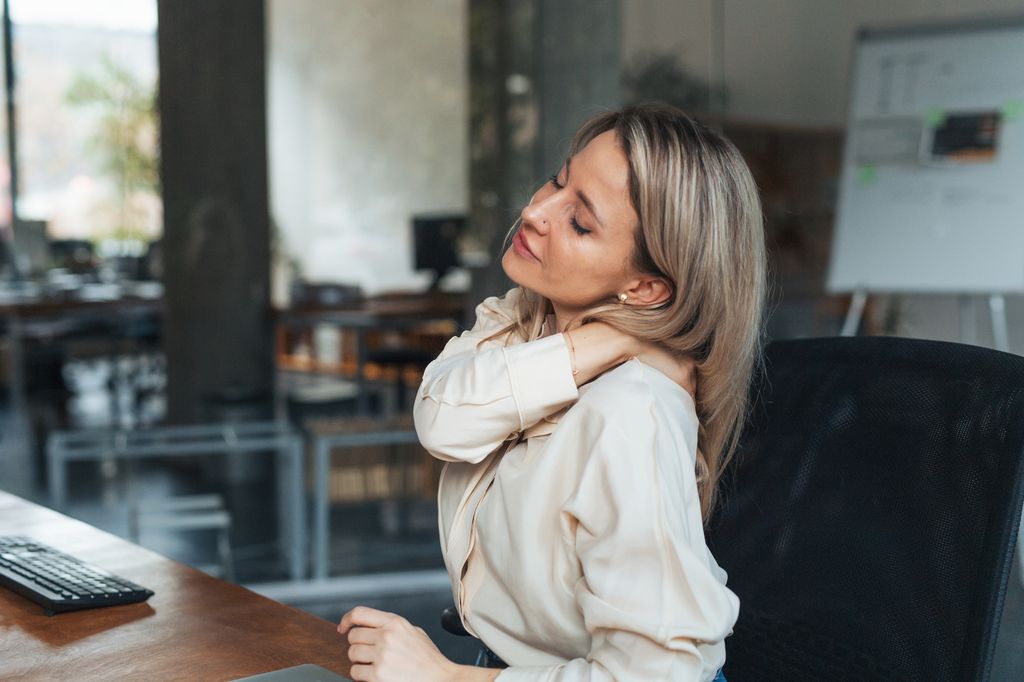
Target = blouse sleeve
(477,392)
(647,598)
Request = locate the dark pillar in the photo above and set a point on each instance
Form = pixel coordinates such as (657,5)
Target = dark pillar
(502,127)
(216,240)
(578,71)
(536,70)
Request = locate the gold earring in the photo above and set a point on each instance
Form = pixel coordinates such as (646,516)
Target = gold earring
(622,298)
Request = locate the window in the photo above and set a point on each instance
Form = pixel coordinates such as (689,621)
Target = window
(86,122)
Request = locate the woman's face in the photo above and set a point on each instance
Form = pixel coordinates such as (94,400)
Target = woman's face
(576,240)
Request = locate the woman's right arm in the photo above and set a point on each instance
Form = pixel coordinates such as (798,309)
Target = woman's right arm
(478,393)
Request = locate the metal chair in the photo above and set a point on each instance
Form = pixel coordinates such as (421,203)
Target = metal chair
(188,513)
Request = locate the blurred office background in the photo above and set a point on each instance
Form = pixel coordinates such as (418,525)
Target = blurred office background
(232,213)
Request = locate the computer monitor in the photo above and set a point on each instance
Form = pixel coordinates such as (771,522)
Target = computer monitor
(8,268)
(435,243)
(31,247)
(76,255)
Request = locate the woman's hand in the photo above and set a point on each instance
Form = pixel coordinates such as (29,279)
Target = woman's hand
(598,347)
(595,348)
(384,647)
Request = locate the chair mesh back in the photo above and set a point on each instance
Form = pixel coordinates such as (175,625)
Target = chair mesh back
(868,519)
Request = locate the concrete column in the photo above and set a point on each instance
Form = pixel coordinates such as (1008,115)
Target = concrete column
(217,331)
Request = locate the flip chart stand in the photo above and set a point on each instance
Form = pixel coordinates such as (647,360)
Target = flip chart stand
(968,324)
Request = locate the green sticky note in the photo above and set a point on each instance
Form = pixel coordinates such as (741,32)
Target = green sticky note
(867,174)
(1013,109)
(935,117)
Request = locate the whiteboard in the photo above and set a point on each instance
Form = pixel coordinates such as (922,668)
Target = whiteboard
(931,193)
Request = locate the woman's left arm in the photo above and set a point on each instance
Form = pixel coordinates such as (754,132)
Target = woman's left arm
(385,647)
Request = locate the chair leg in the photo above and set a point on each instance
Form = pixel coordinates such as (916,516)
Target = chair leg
(227,562)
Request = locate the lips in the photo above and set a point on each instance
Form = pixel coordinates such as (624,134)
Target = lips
(522,246)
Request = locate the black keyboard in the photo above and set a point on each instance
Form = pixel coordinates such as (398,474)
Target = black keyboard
(59,582)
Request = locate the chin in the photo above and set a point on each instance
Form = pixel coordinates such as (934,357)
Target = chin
(508,265)
(521,276)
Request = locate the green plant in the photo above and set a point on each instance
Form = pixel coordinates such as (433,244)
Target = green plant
(125,139)
(657,76)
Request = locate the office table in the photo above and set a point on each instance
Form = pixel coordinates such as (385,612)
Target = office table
(23,314)
(389,432)
(204,440)
(385,312)
(194,628)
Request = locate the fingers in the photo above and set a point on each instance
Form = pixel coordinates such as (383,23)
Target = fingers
(364,615)
(360,653)
(361,673)
(361,635)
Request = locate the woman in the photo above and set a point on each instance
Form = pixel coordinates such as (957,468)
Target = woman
(588,415)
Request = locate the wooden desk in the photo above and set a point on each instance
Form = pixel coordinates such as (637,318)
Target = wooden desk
(194,628)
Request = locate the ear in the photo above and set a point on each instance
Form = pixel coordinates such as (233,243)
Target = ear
(648,290)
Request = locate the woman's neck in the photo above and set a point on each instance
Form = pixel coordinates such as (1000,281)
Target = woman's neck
(565,317)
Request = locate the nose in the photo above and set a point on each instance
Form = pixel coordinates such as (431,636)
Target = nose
(535,215)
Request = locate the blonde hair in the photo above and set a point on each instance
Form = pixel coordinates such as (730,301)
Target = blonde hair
(701,228)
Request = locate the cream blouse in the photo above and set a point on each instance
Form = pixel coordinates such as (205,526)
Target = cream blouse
(569,518)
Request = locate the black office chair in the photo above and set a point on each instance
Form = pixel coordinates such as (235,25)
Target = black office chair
(869,519)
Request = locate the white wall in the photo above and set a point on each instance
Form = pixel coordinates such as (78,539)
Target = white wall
(367,120)
(785,61)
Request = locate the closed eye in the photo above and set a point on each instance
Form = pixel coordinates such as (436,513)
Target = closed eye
(580,230)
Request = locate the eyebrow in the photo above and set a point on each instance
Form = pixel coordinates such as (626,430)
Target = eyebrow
(583,197)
